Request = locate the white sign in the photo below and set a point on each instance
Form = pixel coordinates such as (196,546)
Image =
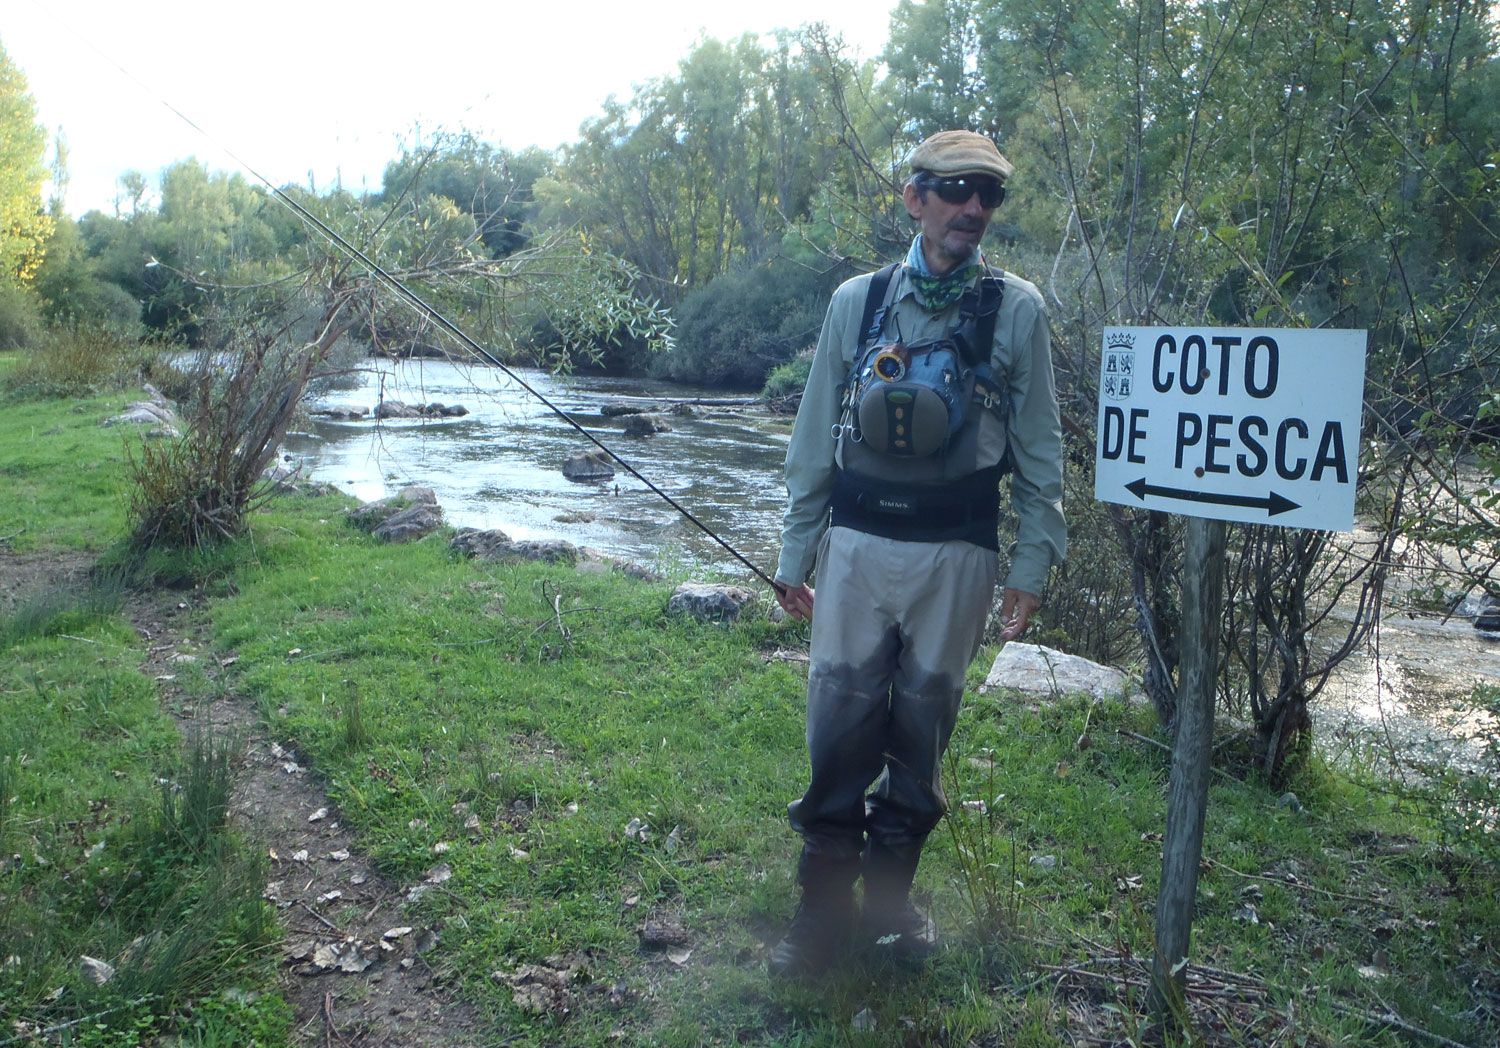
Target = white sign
(1253,425)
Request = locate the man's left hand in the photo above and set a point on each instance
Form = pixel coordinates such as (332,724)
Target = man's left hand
(1016,607)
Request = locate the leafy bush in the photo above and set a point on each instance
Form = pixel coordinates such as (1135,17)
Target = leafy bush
(80,361)
(73,287)
(102,304)
(787,381)
(1088,608)
(738,327)
(1461,790)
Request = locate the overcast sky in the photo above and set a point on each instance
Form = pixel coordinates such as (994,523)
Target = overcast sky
(332,88)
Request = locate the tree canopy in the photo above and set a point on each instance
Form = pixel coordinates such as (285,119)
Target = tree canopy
(24,222)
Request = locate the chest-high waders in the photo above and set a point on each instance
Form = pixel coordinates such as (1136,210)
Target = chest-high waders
(905,580)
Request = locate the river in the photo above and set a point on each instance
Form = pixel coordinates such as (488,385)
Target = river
(500,466)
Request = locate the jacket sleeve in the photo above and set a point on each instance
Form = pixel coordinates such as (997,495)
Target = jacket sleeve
(810,464)
(1036,443)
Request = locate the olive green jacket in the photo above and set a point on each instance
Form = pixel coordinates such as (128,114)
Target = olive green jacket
(1021,356)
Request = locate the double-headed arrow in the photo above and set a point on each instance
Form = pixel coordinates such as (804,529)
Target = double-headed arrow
(1272,503)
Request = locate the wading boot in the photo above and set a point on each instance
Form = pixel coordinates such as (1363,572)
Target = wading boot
(824,920)
(894,924)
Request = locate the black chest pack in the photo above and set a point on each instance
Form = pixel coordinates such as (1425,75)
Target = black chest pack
(912,400)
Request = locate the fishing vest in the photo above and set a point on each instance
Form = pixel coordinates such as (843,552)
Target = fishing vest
(920,426)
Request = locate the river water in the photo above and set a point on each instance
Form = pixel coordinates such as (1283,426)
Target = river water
(500,466)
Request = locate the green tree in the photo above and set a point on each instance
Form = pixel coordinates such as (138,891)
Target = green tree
(207,225)
(24,223)
(71,290)
(1280,165)
(936,79)
(702,173)
(492,184)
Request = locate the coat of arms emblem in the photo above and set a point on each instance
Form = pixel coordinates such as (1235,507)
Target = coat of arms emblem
(1117,378)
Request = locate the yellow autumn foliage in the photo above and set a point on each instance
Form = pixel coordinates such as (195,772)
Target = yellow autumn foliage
(24,223)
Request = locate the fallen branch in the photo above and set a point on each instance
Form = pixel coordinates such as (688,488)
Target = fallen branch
(1167,749)
(328,1028)
(1089,973)
(1290,883)
(30,1038)
(1390,1018)
(1200,989)
(326,922)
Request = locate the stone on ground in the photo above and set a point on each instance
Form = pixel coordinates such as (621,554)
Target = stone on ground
(407,515)
(497,546)
(709,602)
(1038,670)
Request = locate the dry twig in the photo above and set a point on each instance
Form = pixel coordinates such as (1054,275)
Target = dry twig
(1290,883)
(326,922)
(1390,1018)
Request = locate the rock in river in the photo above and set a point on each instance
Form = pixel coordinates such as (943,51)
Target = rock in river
(342,412)
(588,465)
(617,409)
(645,425)
(396,409)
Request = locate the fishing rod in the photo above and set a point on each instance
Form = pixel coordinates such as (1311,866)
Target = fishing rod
(436,316)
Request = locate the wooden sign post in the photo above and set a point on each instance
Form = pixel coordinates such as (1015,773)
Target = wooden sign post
(1216,424)
(1192,752)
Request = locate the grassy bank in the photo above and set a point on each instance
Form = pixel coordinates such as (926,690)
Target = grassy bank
(431,690)
(113,837)
(554,765)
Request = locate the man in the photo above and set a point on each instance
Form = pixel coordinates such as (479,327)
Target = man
(906,427)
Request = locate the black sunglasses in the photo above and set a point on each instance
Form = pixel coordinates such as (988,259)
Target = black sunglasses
(957,189)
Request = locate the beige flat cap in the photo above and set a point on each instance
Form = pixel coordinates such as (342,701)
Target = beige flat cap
(960,153)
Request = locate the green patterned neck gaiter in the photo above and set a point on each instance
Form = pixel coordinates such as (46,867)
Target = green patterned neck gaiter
(938,293)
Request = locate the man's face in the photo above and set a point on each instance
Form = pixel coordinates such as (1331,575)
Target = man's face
(950,232)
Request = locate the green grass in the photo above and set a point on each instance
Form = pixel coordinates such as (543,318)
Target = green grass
(112,838)
(63,473)
(427,690)
(470,701)
(113,846)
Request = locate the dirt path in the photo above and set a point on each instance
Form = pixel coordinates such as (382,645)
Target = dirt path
(356,969)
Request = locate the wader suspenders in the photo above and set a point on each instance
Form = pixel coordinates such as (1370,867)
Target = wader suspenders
(982,304)
(874,315)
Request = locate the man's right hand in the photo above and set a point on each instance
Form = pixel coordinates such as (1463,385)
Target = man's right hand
(796,601)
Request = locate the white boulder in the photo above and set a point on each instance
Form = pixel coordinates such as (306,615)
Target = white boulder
(1038,670)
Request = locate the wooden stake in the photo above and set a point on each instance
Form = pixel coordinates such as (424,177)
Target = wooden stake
(1192,757)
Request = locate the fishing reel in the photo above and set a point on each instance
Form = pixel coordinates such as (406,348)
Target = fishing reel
(890,363)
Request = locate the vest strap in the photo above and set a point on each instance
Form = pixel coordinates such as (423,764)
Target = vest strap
(873,318)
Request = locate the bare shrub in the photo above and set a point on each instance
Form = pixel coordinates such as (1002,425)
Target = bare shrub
(198,489)
(1088,608)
